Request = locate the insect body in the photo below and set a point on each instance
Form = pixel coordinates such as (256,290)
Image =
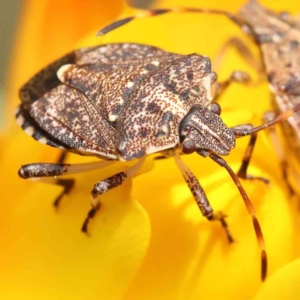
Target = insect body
(278,37)
(124,102)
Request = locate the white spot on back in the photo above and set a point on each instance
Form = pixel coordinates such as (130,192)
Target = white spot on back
(164,128)
(112,117)
(129,84)
(61,71)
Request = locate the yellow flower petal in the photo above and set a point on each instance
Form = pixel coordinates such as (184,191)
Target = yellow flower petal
(284,284)
(44,254)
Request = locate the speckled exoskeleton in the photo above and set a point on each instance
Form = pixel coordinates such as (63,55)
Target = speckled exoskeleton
(278,38)
(124,101)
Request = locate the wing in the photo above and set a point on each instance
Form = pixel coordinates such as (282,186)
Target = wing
(107,91)
(149,122)
(68,116)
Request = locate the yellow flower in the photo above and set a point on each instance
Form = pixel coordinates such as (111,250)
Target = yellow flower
(149,240)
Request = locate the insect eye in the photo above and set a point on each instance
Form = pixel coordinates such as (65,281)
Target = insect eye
(215,108)
(188,146)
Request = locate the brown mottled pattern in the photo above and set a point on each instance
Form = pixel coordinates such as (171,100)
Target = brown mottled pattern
(109,183)
(208,131)
(101,87)
(105,57)
(280,46)
(42,170)
(120,54)
(152,89)
(199,195)
(25,121)
(138,125)
(68,116)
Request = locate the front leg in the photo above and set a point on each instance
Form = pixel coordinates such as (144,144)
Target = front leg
(106,185)
(236,76)
(99,189)
(200,197)
(259,236)
(278,147)
(242,173)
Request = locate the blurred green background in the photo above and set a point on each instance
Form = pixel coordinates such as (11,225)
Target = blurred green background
(9,11)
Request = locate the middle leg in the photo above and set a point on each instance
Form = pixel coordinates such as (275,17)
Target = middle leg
(106,185)
(242,173)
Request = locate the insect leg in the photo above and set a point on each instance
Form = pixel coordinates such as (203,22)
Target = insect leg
(248,129)
(49,171)
(36,170)
(62,157)
(250,208)
(200,197)
(106,185)
(67,185)
(160,11)
(242,173)
(279,118)
(236,76)
(279,150)
(244,52)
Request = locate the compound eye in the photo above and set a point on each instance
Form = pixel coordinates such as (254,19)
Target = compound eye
(188,146)
(215,108)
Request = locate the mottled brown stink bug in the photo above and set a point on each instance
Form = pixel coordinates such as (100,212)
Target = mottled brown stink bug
(278,38)
(125,101)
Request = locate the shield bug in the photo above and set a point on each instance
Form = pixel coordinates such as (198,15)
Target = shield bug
(124,101)
(278,38)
